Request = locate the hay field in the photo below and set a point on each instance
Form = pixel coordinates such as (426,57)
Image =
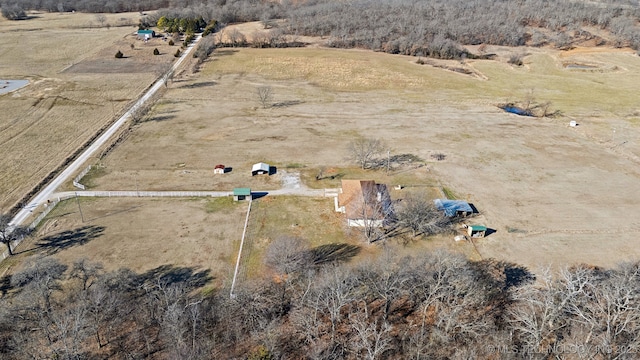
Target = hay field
(71,94)
(554,194)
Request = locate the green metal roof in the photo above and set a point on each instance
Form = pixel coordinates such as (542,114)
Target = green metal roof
(145,31)
(241,192)
(478,228)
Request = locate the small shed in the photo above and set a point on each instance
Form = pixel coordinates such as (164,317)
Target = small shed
(476,231)
(146,34)
(240,194)
(453,207)
(260,169)
(219,169)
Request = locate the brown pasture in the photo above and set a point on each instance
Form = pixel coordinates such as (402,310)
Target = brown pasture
(554,194)
(76,87)
(202,234)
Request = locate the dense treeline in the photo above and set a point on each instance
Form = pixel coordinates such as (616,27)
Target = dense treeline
(427,27)
(225,11)
(312,304)
(434,28)
(93,6)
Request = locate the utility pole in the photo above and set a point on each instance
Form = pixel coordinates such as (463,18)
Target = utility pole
(79,208)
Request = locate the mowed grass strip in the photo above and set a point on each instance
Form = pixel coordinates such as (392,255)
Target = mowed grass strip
(311,219)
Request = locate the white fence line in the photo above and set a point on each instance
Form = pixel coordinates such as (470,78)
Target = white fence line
(331,192)
(244,232)
(76,180)
(153,193)
(45,212)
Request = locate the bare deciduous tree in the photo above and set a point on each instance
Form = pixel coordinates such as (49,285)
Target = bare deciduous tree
(206,46)
(70,327)
(236,38)
(421,217)
(86,272)
(335,291)
(101,18)
(371,338)
(287,254)
(9,234)
(384,279)
(42,277)
(539,316)
(363,151)
(265,95)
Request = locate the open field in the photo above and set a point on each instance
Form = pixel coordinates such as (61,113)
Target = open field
(73,90)
(203,234)
(142,234)
(554,194)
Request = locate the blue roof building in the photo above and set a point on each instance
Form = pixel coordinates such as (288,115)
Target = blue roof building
(453,207)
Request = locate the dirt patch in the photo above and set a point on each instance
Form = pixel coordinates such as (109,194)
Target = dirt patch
(290,180)
(138,57)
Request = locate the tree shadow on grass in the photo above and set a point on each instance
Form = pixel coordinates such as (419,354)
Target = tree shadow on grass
(287,103)
(5,284)
(170,275)
(64,240)
(225,52)
(516,275)
(333,252)
(503,275)
(160,118)
(199,85)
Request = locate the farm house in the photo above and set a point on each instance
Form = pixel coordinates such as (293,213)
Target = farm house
(363,201)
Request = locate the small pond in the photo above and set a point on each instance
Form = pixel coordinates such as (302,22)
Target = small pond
(11,85)
(516,110)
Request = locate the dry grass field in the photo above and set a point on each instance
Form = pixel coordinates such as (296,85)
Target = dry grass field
(76,86)
(554,194)
(143,234)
